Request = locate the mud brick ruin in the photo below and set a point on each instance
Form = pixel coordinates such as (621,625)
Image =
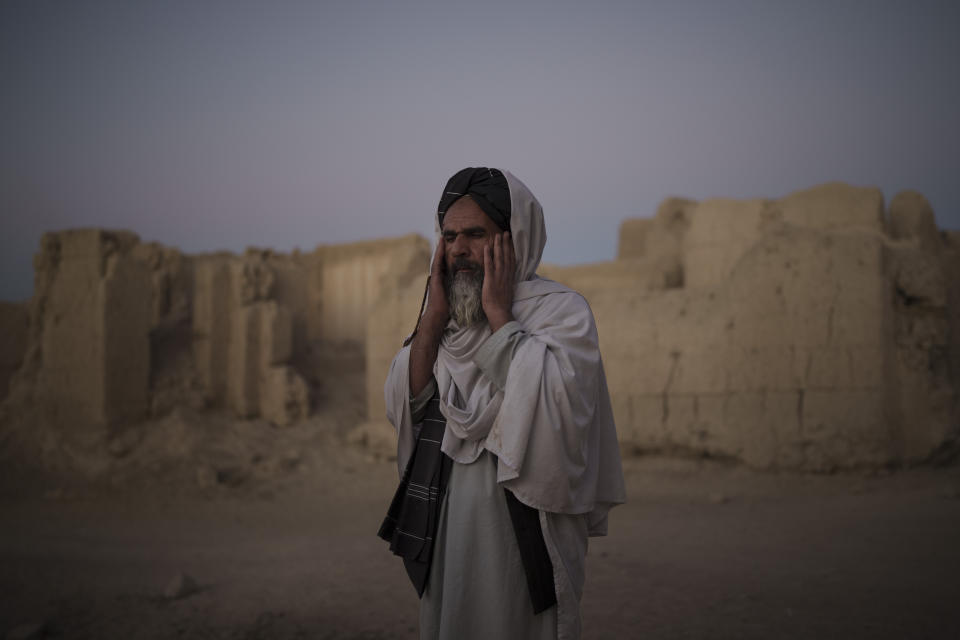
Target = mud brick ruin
(119,331)
(815,332)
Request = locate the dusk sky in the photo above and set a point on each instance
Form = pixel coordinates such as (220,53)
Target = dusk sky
(217,125)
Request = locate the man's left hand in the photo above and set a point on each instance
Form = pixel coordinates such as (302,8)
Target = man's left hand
(499,269)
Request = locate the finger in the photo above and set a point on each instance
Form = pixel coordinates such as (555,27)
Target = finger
(438,256)
(506,263)
(511,256)
(487,263)
(498,253)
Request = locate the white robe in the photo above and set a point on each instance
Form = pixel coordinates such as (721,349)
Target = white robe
(477,587)
(549,423)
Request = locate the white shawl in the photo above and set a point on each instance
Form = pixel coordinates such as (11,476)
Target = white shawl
(552,427)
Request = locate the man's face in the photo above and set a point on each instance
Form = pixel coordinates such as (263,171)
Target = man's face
(466,230)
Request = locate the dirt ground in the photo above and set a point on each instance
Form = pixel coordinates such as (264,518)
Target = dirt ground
(701,550)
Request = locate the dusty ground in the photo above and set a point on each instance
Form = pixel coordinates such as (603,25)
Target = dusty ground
(701,550)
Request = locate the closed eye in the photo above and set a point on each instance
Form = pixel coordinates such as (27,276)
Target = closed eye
(472,232)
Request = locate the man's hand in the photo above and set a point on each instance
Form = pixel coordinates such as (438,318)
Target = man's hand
(438,309)
(426,344)
(499,268)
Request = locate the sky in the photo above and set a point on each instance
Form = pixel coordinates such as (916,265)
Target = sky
(220,125)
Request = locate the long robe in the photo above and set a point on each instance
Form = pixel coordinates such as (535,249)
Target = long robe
(476,559)
(548,420)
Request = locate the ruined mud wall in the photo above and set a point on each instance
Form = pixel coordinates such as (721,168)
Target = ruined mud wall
(817,331)
(779,367)
(391,320)
(349,280)
(807,334)
(87,360)
(243,334)
(924,271)
(257,315)
(14,327)
(119,331)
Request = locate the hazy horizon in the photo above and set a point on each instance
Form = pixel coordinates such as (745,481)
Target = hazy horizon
(221,125)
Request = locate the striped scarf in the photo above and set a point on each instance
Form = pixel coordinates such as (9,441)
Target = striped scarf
(411,522)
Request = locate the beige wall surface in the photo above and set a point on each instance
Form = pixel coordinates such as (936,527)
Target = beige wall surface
(781,366)
(814,332)
(349,280)
(14,334)
(119,331)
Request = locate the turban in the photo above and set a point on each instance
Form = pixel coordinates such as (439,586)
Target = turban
(487,187)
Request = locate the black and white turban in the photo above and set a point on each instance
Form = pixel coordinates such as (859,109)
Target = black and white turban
(487,187)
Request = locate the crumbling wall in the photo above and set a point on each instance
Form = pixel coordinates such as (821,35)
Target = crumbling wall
(805,338)
(925,364)
(15,331)
(722,230)
(809,332)
(650,255)
(174,379)
(951,267)
(390,323)
(656,245)
(348,280)
(630,274)
(213,305)
(291,291)
(391,320)
(120,331)
(270,330)
(88,362)
(833,206)
(779,367)
(244,334)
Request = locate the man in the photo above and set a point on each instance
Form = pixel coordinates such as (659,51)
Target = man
(507,445)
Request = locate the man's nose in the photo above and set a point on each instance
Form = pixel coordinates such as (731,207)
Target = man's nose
(460,246)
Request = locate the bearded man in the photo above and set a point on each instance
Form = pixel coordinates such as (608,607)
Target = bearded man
(506,442)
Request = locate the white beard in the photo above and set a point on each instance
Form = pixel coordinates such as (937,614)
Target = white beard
(464,295)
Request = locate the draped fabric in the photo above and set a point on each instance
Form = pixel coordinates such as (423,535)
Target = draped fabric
(478,588)
(533,553)
(411,522)
(552,427)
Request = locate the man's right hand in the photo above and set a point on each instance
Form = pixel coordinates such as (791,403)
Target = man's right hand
(426,344)
(438,309)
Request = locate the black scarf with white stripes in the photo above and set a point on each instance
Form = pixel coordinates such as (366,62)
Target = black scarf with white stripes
(411,522)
